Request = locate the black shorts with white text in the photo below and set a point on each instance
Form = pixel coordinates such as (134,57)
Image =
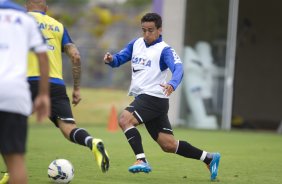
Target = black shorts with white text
(152,111)
(60,103)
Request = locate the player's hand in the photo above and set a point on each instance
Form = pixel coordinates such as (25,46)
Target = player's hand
(167,89)
(76,98)
(42,107)
(108,58)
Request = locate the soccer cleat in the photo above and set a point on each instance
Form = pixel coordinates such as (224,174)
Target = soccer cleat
(213,166)
(140,166)
(5,178)
(100,154)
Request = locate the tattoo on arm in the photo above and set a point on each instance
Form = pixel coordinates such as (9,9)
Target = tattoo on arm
(73,53)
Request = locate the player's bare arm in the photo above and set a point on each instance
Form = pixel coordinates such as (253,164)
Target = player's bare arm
(42,101)
(73,53)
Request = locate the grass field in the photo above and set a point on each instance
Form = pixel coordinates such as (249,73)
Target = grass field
(247,157)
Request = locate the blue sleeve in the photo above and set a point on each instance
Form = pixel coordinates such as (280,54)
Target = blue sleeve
(66,38)
(169,59)
(123,56)
(11,5)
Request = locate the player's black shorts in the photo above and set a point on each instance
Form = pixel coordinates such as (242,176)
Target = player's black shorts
(13,132)
(60,103)
(152,111)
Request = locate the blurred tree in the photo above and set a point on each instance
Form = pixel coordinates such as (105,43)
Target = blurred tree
(69,2)
(98,26)
(135,3)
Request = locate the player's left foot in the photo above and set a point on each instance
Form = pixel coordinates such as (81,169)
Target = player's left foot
(100,154)
(140,166)
(5,178)
(213,166)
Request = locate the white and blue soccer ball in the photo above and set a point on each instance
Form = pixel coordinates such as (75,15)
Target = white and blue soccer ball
(61,171)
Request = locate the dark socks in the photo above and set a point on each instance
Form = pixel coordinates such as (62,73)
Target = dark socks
(187,150)
(208,159)
(81,136)
(134,139)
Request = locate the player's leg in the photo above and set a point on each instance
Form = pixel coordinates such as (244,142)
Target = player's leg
(74,134)
(144,108)
(139,111)
(16,168)
(183,148)
(82,137)
(13,133)
(127,122)
(62,117)
(161,131)
(210,159)
(169,144)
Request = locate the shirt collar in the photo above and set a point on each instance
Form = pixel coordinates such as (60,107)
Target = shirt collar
(160,39)
(37,11)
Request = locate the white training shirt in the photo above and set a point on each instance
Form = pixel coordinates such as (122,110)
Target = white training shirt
(146,73)
(18,34)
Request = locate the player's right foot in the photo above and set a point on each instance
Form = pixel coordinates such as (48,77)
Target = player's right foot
(140,166)
(213,166)
(5,178)
(100,154)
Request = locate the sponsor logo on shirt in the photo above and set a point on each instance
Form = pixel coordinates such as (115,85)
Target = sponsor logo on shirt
(10,19)
(176,57)
(4,46)
(136,70)
(50,47)
(141,61)
(49,27)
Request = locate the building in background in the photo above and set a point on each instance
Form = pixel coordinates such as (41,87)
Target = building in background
(231,54)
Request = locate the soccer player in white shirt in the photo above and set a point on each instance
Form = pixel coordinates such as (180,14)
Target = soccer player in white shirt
(18,34)
(151,58)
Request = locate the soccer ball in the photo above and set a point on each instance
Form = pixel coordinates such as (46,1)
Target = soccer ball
(61,171)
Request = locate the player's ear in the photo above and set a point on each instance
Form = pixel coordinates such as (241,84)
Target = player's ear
(160,30)
(26,6)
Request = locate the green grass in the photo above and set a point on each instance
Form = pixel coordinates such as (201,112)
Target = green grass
(247,157)
(96,104)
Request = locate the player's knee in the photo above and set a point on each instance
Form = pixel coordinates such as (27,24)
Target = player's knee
(126,120)
(123,122)
(168,147)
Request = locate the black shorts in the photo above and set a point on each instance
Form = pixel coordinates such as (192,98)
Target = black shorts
(152,111)
(60,103)
(13,132)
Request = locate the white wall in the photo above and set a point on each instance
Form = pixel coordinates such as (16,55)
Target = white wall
(173,15)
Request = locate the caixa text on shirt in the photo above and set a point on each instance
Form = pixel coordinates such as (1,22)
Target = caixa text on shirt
(141,61)
(49,27)
(10,19)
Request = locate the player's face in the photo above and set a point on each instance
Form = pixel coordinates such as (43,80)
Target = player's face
(150,32)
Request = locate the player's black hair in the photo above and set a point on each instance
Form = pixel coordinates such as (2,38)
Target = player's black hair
(152,17)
